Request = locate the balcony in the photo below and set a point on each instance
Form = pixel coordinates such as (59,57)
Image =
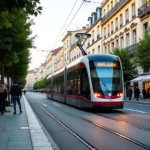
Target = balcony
(121,25)
(127,20)
(144,9)
(92,41)
(132,48)
(116,28)
(133,16)
(113,10)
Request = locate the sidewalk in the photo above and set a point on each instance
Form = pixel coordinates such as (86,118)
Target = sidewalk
(141,100)
(23,131)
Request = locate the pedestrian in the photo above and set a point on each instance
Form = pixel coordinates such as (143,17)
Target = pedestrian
(3,96)
(130,92)
(144,93)
(137,93)
(24,92)
(16,94)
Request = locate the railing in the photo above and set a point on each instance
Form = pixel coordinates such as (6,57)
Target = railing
(127,20)
(114,9)
(132,48)
(144,9)
(92,41)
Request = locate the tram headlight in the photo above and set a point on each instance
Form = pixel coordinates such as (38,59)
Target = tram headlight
(119,94)
(97,94)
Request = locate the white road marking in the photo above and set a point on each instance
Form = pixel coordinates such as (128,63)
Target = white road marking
(56,104)
(136,110)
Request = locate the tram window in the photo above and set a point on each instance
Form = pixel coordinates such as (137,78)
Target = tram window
(85,88)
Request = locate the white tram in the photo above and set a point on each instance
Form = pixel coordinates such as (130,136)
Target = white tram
(92,81)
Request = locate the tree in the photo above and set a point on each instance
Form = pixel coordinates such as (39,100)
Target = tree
(15,40)
(30,7)
(142,53)
(127,66)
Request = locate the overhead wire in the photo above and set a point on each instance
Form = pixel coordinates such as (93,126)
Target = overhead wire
(69,23)
(65,21)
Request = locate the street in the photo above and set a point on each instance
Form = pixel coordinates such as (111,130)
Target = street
(74,129)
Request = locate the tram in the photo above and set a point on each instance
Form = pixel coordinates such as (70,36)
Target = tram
(93,81)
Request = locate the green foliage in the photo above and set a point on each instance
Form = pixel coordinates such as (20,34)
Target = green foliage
(40,84)
(142,53)
(127,66)
(29,7)
(15,44)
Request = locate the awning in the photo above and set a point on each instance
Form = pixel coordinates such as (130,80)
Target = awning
(138,79)
(147,78)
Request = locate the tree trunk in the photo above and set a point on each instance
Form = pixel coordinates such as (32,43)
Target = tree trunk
(2,69)
(8,89)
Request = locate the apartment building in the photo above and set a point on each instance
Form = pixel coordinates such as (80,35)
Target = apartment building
(30,80)
(94,44)
(51,61)
(71,51)
(123,25)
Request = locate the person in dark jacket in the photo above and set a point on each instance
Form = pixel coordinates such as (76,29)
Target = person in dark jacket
(130,92)
(137,93)
(144,93)
(3,96)
(16,94)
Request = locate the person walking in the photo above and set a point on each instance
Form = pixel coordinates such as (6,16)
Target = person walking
(3,96)
(130,92)
(16,94)
(137,93)
(144,93)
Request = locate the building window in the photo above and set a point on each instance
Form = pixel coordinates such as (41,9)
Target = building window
(127,40)
(121,42)
(112,45)
(98,49)
(116,24)
(127,15)
(134,36)
(121,20)
(92,35)
(108,48)
(104,12)
(93,51)
(112,27)
(145,27)
(107,8)
(133,11)
(111,4)
(108,30)
(117,43)
(104,32)
(105,50)
(145,70)
(98,30)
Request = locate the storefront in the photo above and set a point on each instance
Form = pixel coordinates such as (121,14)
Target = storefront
(141,82)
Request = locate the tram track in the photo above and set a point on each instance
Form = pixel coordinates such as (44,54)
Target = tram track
(121,121)
(104,128)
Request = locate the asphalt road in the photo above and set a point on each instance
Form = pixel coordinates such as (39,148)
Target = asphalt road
(75,129)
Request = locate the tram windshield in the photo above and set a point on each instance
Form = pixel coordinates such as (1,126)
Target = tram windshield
(106,77)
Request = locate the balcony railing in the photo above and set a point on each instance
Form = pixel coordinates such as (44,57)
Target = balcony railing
(114,9)
(127,20)
(92,41)
(132,48)
(144,9)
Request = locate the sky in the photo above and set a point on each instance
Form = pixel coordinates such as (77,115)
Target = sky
(51,26)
